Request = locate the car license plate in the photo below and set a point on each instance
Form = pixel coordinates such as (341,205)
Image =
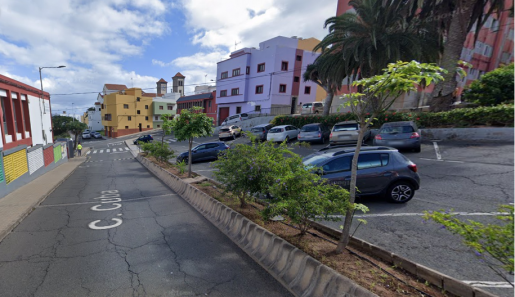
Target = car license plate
(344,136)
(395,142)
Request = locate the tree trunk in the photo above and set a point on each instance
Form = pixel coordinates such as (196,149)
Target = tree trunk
(189,157)
(328,101)
(443,91)
(345,237)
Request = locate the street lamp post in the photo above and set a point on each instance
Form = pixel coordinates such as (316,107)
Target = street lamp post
(43,99)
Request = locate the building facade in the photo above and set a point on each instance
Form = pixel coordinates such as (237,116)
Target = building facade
(206,101)
(178,83)
(126,112)
(95,117)
(164,105)
(264,79)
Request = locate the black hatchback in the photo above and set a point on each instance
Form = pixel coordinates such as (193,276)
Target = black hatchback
(204,152)
(144,138)
(381,170)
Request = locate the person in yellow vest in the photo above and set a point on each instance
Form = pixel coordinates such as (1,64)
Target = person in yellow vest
(79,149)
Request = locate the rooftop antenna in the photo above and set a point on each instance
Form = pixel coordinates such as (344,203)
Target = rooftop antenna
(236,44)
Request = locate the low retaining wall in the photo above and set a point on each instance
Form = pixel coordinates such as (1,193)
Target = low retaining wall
(472,134)
(436,278)
(301,274)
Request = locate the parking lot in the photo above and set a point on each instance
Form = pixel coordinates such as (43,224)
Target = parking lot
(471,179)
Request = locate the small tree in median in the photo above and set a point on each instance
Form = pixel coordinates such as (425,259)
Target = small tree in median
(377,94)
(166,126)
(190,124)
(76,128)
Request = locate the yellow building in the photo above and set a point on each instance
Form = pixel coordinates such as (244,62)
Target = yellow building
(84,118)
(126,112)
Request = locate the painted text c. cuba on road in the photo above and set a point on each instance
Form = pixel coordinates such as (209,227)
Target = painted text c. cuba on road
(107,197)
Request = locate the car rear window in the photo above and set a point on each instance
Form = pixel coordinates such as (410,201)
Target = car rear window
(224,130)
(256,130)
(345,127)
(276,130)
(396,129)
(310,128)
(244,115)
(307,105)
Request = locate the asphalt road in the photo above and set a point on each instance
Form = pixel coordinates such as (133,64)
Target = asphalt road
(470,178)
(113,229)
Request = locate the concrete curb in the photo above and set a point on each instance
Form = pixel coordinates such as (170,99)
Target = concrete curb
(4,233)
(436,278)
(301,274)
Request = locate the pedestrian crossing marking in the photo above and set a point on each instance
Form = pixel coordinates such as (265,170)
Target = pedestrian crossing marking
(126,148)
(107,151)
(88,152)
(101,151)
(95,151)
(120,149)
(121,159)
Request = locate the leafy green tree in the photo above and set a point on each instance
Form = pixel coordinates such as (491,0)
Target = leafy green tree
(189,124)
(453,19)
(493,241)
(377,94)
(166,126)
(158,150)
(76,128)
(322,79)
(362,43)
(59,124)
(493,88)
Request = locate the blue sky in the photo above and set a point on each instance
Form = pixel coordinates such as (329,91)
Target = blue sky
(137,42)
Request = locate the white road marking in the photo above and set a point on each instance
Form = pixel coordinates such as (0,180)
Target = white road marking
(437,150)
(126,148)
(487,284)
(120,149)
(427,159)
(92,202)
(101,151)
(421,214)
(88,152)
(107,151)
(95,151)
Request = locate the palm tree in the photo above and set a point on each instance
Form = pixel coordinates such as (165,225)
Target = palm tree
(377,33)
(453,20)
(314,74)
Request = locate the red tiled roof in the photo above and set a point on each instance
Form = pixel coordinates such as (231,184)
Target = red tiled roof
(179,75)
(115,87)
(162,81)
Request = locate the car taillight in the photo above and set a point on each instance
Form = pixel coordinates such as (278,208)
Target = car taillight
(378,137)
(227,147)
(414,135)
(331,135)
(313,107)
(298,136)
(319,134)
(413,167)
(264,131)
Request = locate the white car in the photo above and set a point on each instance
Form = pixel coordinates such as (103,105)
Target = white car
(86,135)
(282,133)
(235,119)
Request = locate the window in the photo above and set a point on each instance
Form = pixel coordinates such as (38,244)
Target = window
(180,92)
(138,99)
(138,112)
(102,106)
(99,109)
(340,164)
(146,106)
(156,118)
(296,79)
(146,118)
(307,90)
(225,74)
(261,67)
(129,118)
(488,51)
(209,103)
(126,106)
(180,83)
(282,88)
(372,160)
(223,93)
(236,72)
(247,70)
(299,58)
(148,126)
(257,108)
(235,91)
(126,127)
(238,109)
(284,66)
(169,107)
(159,126)
(107,117)
(259,89)
(495,25)
(160,108)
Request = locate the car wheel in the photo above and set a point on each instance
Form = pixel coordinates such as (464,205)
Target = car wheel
(400,192)
(234,137)
(417,149)
(316,112)
(323,140)
(287,139)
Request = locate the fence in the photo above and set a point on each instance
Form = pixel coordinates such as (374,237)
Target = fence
(21,165)
(272,111)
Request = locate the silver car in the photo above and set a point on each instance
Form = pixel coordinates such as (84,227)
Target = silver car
(314,132)
(400,135)
(261,131)
(346,132)
(312,108)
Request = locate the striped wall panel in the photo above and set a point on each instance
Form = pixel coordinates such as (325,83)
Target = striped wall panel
(57,153)
(15,165)
(36,160)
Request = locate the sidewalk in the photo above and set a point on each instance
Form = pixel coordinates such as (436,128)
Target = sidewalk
(15,206)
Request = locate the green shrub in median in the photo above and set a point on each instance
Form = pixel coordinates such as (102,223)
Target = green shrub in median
(500,115)
(158,150)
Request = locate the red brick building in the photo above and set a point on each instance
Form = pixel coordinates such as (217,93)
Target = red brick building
(206,100)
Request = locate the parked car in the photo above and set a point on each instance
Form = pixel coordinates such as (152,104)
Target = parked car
(346,132)
(312,108)
(204,152)
(144,138)
(314,132)
(381,171)
(400,135)
(235,119)
(96,135)
(87,131)
(261,131)
(282,133)
(229,132)
(86,135)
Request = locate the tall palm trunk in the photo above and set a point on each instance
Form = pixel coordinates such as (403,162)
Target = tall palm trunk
(456,36)
(328,101)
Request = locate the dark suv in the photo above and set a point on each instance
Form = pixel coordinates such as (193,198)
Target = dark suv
(204,152)
(144,138)
(381,170)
